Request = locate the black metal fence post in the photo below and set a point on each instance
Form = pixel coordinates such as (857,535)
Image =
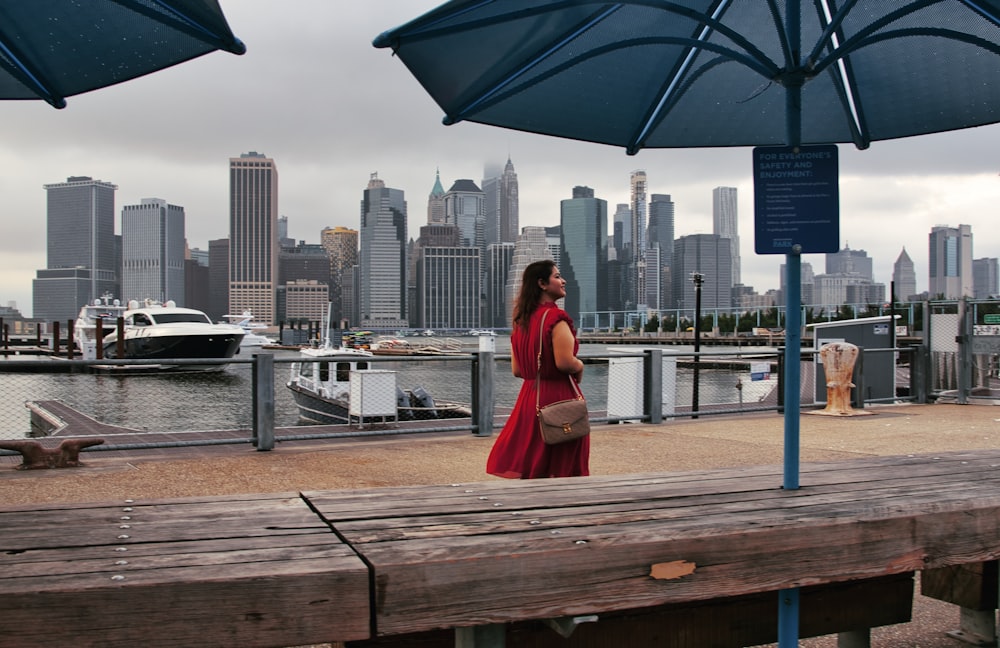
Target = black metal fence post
(653,385)
(263,401)
(484,375)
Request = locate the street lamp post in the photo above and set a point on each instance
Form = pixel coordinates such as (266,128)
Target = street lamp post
(698,278)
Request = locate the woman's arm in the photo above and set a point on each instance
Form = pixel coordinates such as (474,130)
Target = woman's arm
(513,366)
(562,349)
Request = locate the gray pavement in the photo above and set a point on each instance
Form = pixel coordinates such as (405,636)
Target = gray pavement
(678,445)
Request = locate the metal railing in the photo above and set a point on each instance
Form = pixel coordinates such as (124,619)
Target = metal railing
(128,401)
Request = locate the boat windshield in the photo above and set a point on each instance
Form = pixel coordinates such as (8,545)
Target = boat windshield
(172,318)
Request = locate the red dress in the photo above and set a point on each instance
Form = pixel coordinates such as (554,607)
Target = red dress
(519,452)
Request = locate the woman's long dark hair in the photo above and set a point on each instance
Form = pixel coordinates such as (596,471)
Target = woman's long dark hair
(530,294)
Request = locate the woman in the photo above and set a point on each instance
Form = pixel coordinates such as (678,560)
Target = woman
(520,452)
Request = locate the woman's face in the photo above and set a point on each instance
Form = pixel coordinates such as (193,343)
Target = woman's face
(555,287)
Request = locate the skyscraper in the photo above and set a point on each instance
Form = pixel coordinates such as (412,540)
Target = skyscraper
(584,242)
(464,205)
(500,204)
(253,236)
(985,282)
(382,265)
(709,255)
(950,262)
(530,246)
(499,258)
(904,277)
(638,244)
(341,245)
(448,288)
(435,202)
(725,223)
(153,251)
(661,238)
(82,249)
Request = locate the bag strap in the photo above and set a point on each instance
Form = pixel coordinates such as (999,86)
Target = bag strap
(538,366)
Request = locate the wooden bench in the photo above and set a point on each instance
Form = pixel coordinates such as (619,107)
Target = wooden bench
(485,564)
(234,571)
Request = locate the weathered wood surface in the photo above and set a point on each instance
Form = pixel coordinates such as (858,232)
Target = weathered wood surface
(719,623)
(251,571)
(972,585)
(495,552)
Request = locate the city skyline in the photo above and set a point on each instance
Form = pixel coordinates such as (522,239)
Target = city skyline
(171,133)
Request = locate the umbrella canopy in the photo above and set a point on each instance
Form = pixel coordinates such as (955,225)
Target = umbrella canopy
(706,73)
(53,49)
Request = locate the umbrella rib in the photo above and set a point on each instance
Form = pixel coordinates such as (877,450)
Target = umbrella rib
(670,93)
(843,75)
(728,56)
(28,75)
(993,15)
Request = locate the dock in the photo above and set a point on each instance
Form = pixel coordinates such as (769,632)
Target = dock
(500,563)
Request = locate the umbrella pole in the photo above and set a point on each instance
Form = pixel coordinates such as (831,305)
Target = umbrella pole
(788,608)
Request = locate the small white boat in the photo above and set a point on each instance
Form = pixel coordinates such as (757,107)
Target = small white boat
(321,387)
(250,337)
(165,331)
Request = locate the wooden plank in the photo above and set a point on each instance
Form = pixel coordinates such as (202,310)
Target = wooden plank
(245,571)
(455,558)
(971,585)
(719,623)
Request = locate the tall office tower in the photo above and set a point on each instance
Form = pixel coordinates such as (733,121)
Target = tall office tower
(382,270)
(905,277)
(708,254)
(341,245)
(661,237)
(82,262)
(500,203)
(448,295)
(218,279)
(253,236)
(197,279)
(725,223)
(283,239)
(638,243)
(583,221)
(950,262)
(305,301)
(850,262)
(304,272)
(553,238)
(153,251)
(499,258)
(985,283)
(622,228)
(464,206)
(435,202)
(532,245)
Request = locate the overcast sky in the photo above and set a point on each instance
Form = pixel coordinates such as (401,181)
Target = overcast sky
(313,94)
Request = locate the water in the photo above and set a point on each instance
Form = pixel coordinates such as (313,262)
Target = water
(223,400)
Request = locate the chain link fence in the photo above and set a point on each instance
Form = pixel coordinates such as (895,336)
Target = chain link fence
(620,385)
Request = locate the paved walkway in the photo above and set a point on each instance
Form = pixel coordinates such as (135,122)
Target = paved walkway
(683,444)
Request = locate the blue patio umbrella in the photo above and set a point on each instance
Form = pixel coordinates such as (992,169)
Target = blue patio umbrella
(53,49)
(714,73)
(707,73)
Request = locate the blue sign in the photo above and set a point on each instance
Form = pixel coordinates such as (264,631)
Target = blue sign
(796,199)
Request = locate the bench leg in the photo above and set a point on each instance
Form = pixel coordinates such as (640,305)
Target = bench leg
(488,636)
(976,627)
(855,639)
